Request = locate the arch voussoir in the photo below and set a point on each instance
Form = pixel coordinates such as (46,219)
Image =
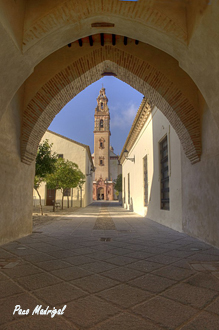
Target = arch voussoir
(139,74)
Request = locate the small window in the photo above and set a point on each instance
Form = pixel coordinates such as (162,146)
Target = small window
(164,175)
(101,143)
(60,155)
(66,192)
(101,162)
(101,123)
(101,105)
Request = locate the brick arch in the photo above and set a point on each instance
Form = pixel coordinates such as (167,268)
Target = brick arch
(139,74)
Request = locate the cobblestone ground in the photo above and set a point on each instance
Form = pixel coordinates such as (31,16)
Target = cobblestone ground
(113,270)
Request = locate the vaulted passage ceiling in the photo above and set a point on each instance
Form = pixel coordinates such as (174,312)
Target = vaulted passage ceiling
(175,18)
(160,47)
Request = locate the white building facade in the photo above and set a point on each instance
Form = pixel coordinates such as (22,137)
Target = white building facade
(78,153)
(152,176)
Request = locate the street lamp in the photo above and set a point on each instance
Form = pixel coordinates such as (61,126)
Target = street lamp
(91,172)
(126,153)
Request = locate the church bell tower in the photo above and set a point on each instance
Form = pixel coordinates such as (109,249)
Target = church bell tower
(102,186)
(102,136)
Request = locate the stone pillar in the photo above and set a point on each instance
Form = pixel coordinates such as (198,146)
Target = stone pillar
(16,184)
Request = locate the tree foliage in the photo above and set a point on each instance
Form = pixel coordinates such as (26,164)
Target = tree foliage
(45,164)
(118,183)
(65,176)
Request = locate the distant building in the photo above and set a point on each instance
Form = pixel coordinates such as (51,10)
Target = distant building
(78,153)
(106,162)
(152,184)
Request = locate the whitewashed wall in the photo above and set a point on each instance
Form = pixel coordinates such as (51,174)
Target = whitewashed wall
(154,130)
(77,154)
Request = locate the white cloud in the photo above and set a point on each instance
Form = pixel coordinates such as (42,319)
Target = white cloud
(123,116)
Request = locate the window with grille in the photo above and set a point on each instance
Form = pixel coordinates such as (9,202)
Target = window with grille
(145,164)
(164,182)
(66,192)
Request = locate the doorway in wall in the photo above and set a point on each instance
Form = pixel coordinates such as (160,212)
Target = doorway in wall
(50,196)
(100,193)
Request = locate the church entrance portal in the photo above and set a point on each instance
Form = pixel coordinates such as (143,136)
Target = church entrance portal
(100,194)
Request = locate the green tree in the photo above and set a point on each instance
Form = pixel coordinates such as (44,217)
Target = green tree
(45,164)
(80,184)
(118,183)
(66,175)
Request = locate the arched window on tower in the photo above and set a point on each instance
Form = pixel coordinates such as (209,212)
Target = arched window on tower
(101,161)
(101,145)
(101,123)
(101,105)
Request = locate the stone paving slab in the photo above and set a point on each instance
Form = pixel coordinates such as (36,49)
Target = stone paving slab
(131,274)
(167,313)
(127,321)
(203,321)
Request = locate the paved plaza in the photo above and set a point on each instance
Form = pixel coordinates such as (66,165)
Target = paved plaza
(113,270)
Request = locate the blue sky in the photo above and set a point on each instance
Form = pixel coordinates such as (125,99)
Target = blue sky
(76,119)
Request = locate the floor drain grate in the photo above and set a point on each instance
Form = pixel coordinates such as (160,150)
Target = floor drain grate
(105,239)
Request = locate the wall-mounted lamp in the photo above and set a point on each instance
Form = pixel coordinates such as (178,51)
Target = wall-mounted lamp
(126,153)
(91,171)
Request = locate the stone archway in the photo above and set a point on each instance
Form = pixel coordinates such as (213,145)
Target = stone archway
(177,99)
(34,33)
(100,193)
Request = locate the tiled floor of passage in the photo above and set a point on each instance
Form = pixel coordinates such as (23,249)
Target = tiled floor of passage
(143,277)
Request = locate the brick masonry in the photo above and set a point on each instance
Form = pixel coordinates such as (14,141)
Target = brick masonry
(70,12)
(139,74)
